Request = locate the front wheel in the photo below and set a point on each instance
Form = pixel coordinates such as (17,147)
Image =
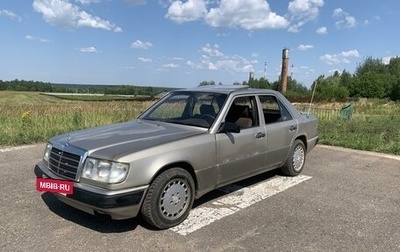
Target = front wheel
(296,159)
(169,199)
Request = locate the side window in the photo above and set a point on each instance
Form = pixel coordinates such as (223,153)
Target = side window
(243,111)
(273,110)
(211,102)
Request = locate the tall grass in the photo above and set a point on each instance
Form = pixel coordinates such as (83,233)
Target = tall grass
(36,122)
(374,126)
(27,118)
(380,134)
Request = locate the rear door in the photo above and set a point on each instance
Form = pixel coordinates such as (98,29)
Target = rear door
(280,129)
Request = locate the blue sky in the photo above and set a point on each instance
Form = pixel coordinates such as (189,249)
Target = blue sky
(182,43)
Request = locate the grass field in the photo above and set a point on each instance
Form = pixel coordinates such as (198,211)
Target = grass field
(373,126)
(27,118)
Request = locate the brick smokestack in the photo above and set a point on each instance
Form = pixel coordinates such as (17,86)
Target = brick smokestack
(285,68)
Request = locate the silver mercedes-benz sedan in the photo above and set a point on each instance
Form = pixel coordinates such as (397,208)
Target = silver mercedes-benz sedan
(190,142)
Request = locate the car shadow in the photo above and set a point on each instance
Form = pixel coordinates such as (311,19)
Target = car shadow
(104,224)
(99,223)
(225,190)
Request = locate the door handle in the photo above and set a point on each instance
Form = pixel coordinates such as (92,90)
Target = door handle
(260,135)
(293,128)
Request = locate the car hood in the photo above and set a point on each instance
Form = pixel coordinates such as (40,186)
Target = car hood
(116,140)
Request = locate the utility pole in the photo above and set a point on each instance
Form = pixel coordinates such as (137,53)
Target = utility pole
(284,74)
(265,70)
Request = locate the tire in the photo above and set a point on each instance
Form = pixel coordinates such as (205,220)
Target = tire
(296,159)
(169,199)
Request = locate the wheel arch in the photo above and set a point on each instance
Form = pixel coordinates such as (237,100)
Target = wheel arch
(302,138)
(183,165)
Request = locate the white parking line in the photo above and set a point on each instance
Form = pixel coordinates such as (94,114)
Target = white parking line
(16,148)
(237,200)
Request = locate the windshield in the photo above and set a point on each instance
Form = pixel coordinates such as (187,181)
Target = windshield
(189,108)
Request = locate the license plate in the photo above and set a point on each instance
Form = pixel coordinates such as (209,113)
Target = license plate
(54,186)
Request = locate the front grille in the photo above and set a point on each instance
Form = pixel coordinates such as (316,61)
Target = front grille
(63,163)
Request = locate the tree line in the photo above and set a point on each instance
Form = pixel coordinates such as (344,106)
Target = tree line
(371,79)
(46,87)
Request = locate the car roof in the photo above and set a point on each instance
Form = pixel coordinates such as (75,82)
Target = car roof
(229,89)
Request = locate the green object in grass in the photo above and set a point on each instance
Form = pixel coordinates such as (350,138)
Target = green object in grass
(347,111)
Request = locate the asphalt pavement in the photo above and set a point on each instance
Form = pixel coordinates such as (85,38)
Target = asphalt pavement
(345,200)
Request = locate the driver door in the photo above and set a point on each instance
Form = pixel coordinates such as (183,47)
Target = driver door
(241,154)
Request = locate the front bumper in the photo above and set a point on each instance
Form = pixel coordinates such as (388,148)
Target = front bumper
(118,205)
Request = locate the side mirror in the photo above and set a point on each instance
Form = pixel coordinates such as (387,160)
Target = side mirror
(227,127)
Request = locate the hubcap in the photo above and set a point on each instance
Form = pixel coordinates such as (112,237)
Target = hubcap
(174,199)
(298,158)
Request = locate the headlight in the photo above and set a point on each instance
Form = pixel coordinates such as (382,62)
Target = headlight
(47,151)
(104,171)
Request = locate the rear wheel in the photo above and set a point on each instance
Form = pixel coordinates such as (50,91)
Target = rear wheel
(169,199)
(296,159)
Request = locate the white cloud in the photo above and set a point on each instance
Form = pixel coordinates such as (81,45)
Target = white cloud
(338,12)
(374,20)
(63,14)
(118,29)
(211,50)
(87,1)
(234,64)
(190,10)
(43,40)
(145,60)
(249,15)
(305,71)
(330,59)
(141,45)
(209,65)
(170,65)
(343,57)
(246,14)
(213,59)
(90,49)
(345,19)
(351,53)
(303,11)
(305,47)
(10,14)
(223,34)
(386,60)
(322,30)
(191,64)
